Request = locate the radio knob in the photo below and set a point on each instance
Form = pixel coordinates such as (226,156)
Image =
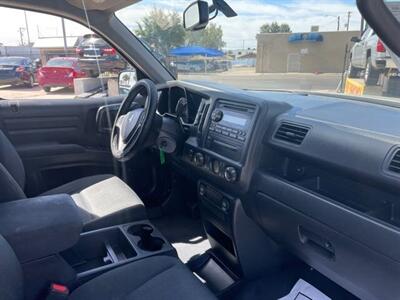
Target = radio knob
(230,174)
(199,159)
(217,115)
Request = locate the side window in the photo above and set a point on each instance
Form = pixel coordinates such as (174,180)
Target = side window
(44,56)
(367,34)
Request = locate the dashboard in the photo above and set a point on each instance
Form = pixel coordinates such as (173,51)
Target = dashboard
(320,174)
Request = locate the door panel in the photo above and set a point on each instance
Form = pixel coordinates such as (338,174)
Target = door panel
(58,140)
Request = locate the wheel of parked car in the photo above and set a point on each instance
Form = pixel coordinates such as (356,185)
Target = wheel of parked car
(352,72)
(137,123)
(371,75)
(47,89)
(31,82)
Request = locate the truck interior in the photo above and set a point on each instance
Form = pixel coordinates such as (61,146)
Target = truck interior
(195,190)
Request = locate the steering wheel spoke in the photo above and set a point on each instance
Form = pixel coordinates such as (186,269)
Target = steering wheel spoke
(133,123)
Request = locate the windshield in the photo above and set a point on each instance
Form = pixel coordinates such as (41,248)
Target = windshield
(60,63)
(11,61)
(320,46)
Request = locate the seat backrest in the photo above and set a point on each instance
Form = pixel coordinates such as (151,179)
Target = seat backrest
(12,172)
(11,279)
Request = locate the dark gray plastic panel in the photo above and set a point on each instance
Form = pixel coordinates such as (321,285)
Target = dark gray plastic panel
(362,271)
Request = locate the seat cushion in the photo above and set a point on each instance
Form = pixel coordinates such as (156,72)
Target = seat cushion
(104,200)
(158,277)
(11,278)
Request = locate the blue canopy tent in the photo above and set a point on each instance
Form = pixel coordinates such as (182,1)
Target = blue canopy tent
(195,50)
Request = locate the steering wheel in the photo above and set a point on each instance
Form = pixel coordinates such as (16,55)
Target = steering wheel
(137,123)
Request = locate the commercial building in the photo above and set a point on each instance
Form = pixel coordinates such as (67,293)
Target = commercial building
(312,52)
(50,47)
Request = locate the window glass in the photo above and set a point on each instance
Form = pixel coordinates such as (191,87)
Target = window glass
(40,60)
(311,46)
(11,61)
(60,62)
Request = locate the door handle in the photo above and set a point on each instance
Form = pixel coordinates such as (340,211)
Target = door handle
(316,242)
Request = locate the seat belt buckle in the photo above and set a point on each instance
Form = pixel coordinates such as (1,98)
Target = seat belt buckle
(57,292)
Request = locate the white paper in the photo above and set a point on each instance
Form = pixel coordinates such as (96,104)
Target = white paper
(302,290)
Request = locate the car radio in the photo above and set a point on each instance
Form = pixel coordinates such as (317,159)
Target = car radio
(229,128)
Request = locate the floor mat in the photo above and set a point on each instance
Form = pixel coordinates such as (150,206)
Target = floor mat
(184,233)
(279,283)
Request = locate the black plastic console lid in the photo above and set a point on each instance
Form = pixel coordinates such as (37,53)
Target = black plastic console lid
(41,226)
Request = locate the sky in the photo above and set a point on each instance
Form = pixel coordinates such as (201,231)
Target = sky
(238,32)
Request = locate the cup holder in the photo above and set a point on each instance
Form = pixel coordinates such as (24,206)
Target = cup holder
(147,242)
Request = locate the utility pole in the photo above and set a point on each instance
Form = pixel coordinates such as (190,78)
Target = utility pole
(338,23)
(64,37)
(27,34)
(21,35)
(348,20)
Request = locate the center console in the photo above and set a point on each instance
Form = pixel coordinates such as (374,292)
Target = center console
(101,250)
(225,139)
(229,129)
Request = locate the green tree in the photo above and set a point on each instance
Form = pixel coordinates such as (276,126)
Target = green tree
(210,37)
(161,30)
(274,27)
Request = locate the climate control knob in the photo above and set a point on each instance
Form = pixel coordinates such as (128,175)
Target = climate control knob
(230,174)
(199,159)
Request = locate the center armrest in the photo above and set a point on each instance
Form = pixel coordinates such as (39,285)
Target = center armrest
(41,226)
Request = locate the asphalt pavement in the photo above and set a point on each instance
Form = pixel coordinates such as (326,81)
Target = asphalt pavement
(247,79)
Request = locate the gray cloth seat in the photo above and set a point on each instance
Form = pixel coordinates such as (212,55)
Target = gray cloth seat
(157,277)
(154,278)
(104,200)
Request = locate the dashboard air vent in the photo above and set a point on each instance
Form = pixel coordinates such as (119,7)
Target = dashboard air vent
(394,164)
(292,133)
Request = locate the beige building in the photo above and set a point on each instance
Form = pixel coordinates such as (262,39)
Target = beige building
(316,52)
(50,47)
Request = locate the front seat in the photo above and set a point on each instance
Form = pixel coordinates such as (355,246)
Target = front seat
(154,278)
(104,200)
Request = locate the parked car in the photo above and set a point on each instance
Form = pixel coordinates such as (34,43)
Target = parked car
(94,54)
(17,70)
(190,66)
(59,72)
(369,57)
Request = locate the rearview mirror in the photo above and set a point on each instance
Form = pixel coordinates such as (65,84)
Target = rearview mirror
(126,81)
(196,16)
(355,39)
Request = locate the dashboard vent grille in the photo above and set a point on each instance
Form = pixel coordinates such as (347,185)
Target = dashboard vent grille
(394,165)
(292,133)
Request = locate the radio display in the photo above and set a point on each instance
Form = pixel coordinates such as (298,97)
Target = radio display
(234,119)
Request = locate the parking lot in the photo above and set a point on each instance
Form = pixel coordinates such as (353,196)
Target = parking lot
(245,78)
(21,92)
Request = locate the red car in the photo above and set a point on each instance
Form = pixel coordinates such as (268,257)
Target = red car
(59,72)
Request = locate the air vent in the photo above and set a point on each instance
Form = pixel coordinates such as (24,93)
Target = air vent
(291,133)
(394,165)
